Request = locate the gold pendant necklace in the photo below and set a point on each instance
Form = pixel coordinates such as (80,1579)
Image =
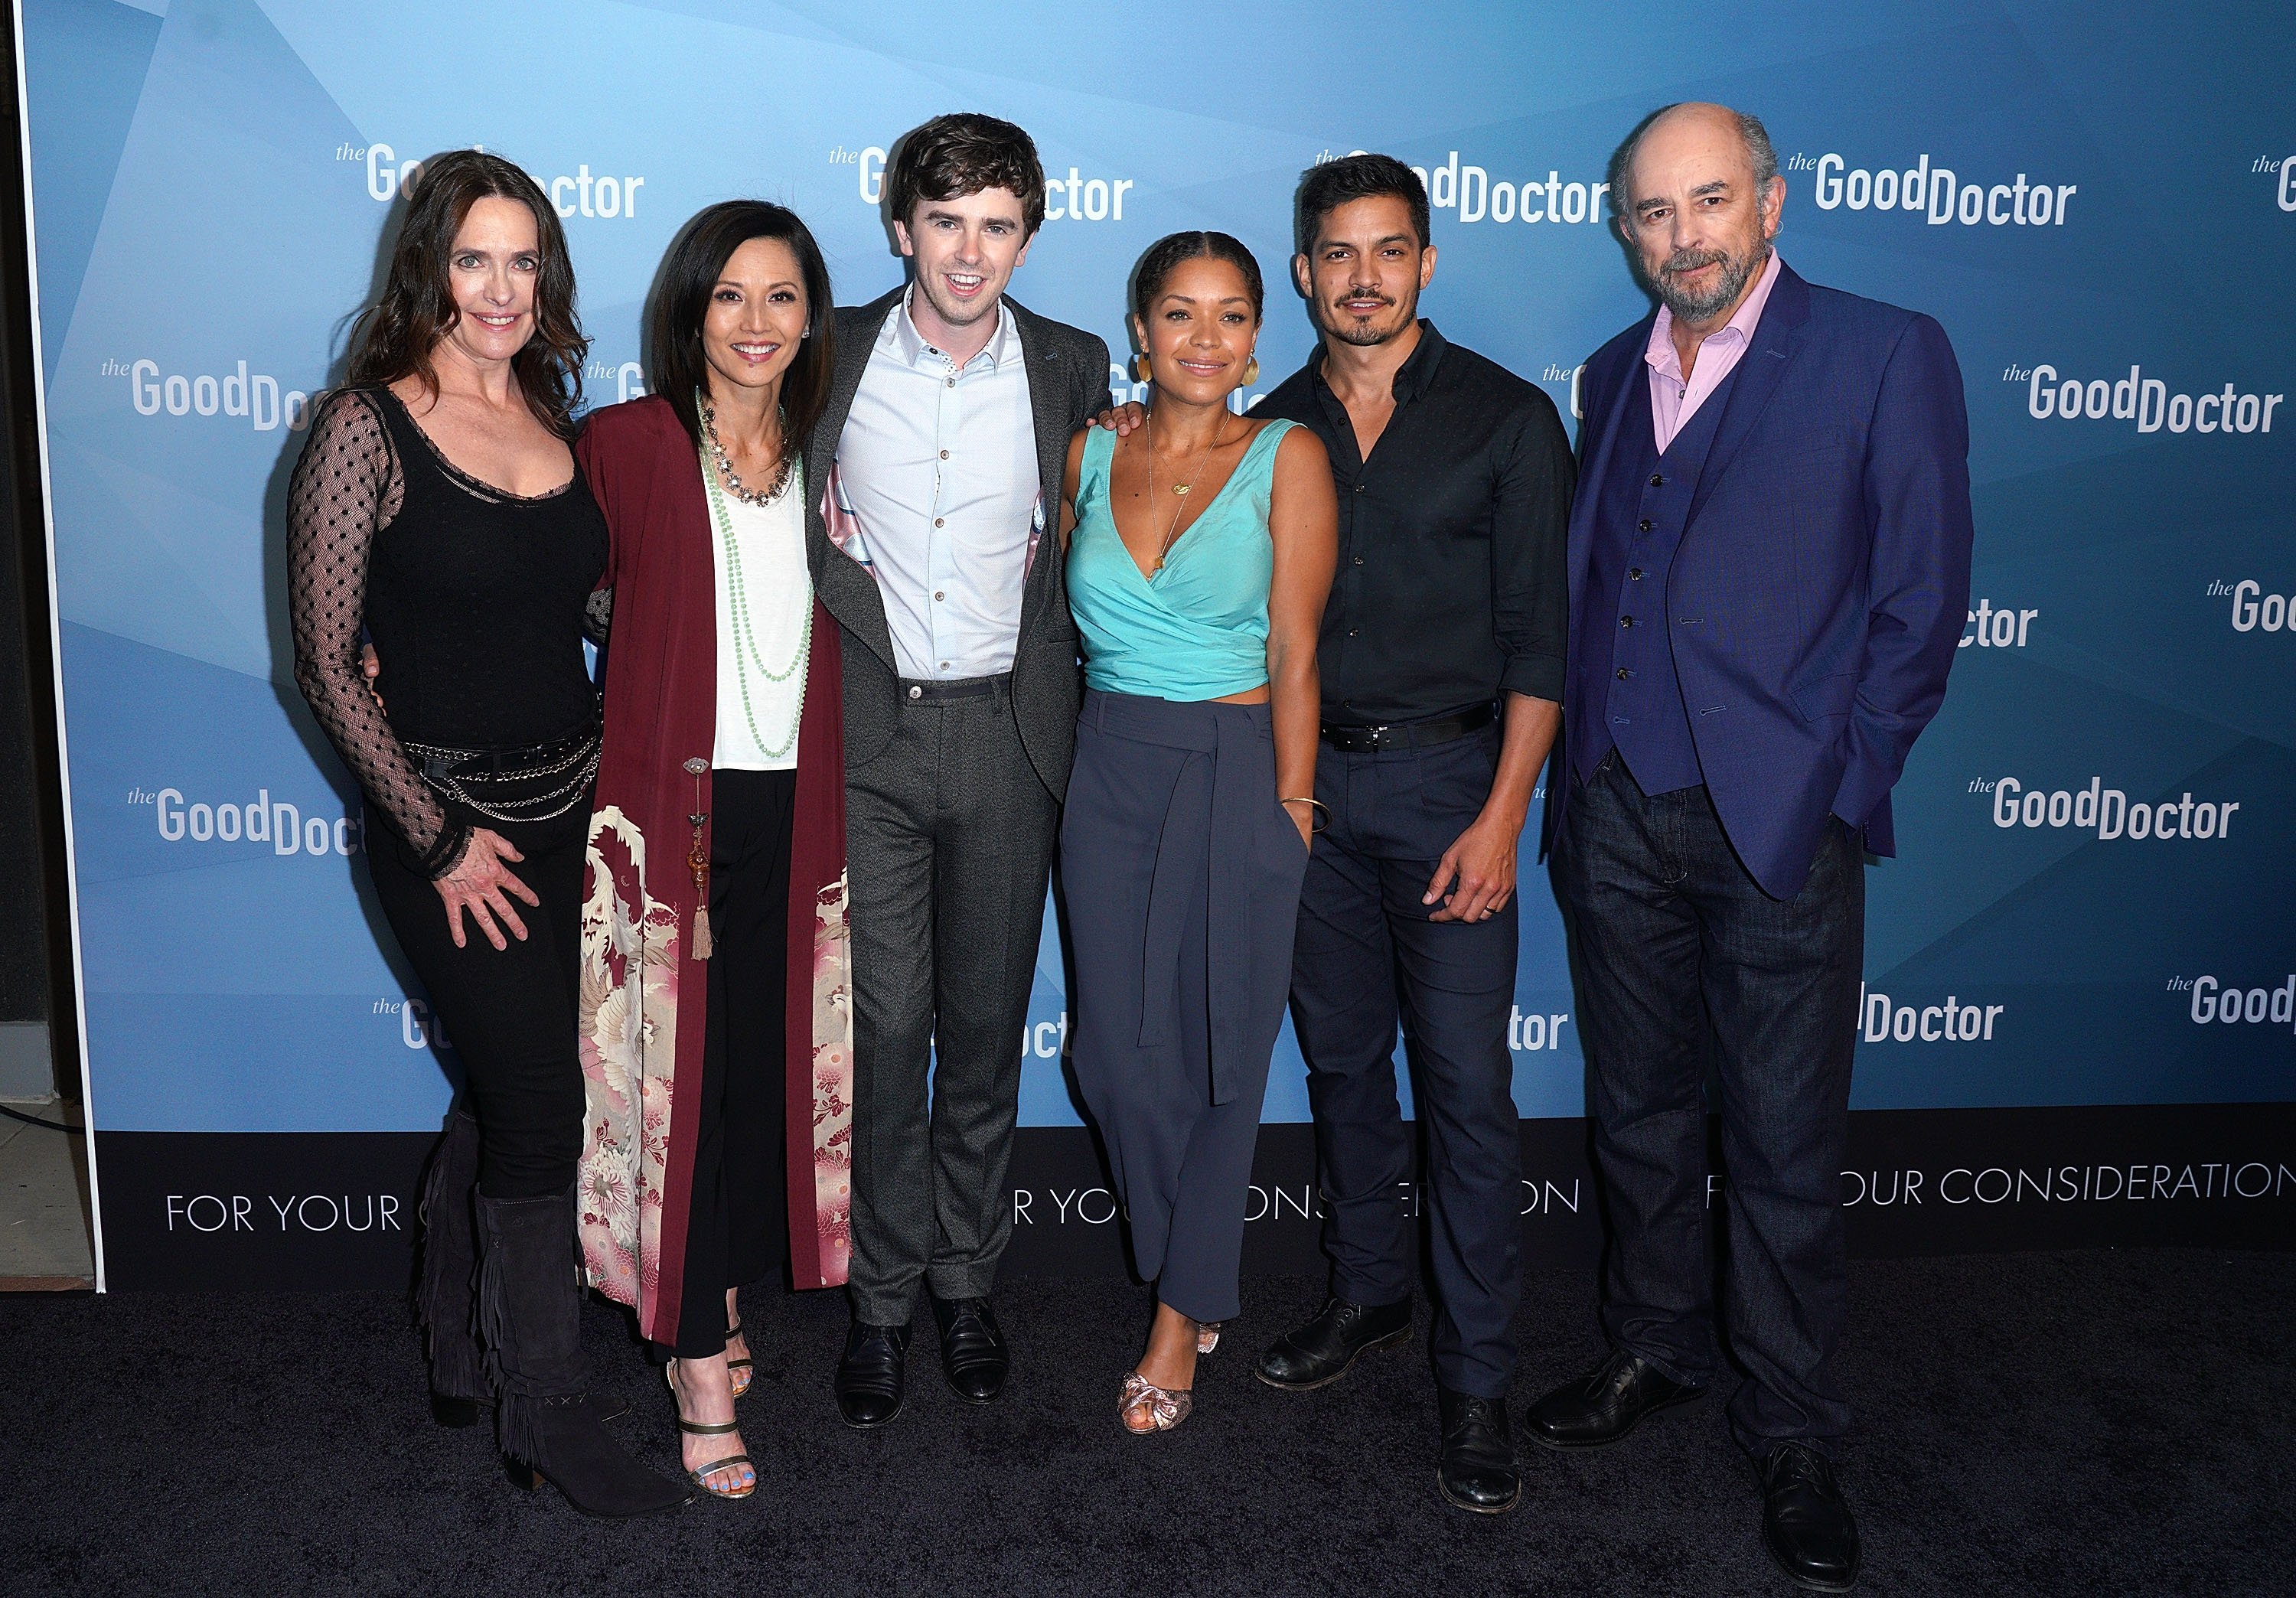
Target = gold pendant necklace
(1172,528)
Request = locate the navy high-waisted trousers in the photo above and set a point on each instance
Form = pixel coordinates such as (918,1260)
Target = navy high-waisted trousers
(1181,872)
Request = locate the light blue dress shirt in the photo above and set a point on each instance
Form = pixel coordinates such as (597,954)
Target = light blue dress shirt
(938,465)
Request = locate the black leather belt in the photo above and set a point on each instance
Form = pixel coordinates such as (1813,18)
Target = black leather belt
(1406,734)
(915,693)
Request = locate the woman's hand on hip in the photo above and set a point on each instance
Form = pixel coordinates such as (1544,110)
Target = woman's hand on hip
(481,883)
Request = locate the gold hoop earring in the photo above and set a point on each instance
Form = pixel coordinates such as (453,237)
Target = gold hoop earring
(1251,369)
(1142,372)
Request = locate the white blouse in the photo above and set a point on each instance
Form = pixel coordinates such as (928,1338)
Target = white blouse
(763,597)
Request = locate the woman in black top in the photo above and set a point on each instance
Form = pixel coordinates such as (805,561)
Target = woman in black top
(437,506)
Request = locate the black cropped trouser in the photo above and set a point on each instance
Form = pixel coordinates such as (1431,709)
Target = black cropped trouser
(737,1225)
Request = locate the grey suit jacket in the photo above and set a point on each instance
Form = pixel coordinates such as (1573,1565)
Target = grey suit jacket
(1067,384)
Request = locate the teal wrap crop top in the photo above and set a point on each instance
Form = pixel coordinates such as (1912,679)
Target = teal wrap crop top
(1198,630)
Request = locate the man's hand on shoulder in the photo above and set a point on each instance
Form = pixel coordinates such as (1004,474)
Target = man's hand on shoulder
(1123,419)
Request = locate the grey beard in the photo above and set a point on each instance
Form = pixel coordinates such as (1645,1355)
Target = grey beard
(1735,275)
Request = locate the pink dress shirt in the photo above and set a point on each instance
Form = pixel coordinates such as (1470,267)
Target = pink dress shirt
(1673,401)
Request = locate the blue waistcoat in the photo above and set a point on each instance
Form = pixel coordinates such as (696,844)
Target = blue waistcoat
(1641,506)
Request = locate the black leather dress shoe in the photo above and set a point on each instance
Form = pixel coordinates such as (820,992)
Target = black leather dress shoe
(1321,1352)
(1478,1471)
(1806,1523)
(973,1353)
(1605,1405)
(871,1375)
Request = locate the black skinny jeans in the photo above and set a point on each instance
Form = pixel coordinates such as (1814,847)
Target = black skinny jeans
(512,1015)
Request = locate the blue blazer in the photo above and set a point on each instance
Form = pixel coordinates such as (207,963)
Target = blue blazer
(1826,559)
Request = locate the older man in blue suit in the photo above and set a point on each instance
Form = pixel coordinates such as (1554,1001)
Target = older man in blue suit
(1769,564)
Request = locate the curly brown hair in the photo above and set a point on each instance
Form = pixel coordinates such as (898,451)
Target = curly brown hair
(394,338)
(966,153)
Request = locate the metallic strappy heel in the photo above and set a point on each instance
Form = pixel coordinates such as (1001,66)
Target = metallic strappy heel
(1206,1337)
(1165,1407)
(740,1370)
(699,1474)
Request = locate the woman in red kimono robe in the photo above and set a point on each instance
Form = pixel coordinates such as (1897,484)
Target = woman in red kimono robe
(716,1049)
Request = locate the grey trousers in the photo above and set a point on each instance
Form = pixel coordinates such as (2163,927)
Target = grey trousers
(948,841)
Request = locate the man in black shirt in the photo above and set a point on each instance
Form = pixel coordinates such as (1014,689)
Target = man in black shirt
(1442,659)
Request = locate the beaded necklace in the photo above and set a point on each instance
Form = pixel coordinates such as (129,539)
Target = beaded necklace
(741,490)
(746,652)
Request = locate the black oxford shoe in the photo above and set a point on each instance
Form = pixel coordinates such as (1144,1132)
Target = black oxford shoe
(1806,1523)
(1601,1406)
(972,1352)
(872,1377)
(1478,1471)
(1322,1351)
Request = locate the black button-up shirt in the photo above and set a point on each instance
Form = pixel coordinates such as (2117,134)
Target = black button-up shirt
(1451,586)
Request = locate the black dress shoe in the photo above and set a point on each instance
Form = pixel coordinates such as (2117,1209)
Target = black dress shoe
(1478,1471)
(1321,1352)
(973,1353)
(871,1375)
(1605,1405)
(1806,1523)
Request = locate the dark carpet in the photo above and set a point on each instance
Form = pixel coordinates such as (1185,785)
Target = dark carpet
(2087,1424)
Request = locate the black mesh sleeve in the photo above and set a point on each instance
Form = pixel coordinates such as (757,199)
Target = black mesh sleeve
(346,489)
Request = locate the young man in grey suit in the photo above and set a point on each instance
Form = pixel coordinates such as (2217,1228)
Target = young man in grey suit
(943,443)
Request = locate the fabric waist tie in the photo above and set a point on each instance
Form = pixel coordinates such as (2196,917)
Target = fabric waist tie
(1211,826)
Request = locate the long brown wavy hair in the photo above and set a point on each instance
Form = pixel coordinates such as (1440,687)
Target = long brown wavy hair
(394,337)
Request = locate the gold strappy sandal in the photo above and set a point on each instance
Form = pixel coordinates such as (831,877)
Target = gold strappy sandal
(1162,1408)
(740,1370)
(700,1475)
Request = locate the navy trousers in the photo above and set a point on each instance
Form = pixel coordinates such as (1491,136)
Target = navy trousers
(1682,959)
(1366,958)
(1181,874)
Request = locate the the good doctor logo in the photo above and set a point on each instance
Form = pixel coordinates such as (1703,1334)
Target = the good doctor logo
(2107,812)
(255,397)
(1937,194)
(1473,194)
(281,826)
(2255,611)
(2221,1004)
(1075,198)
(2143,401)
(1882,1019)
(577,193)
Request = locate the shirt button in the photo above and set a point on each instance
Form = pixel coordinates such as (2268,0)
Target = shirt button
(1359,488)
(938,522)
(1624,674)
(1351,632)
(944,454)
(1645,524)
(943,666)
(952,383)
(1658,480)
(938,594)
(915,692)
(1359,560)
(1636,573)
(1624,621)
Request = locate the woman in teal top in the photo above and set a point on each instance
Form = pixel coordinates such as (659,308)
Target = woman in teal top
(1201,550)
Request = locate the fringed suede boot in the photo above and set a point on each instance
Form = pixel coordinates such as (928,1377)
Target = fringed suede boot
(446,1289)
(530,1310)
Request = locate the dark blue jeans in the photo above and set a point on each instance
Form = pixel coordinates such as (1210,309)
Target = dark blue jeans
(1366,958)
(1681,959)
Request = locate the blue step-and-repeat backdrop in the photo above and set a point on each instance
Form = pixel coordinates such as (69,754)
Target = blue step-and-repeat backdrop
(2087,936)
